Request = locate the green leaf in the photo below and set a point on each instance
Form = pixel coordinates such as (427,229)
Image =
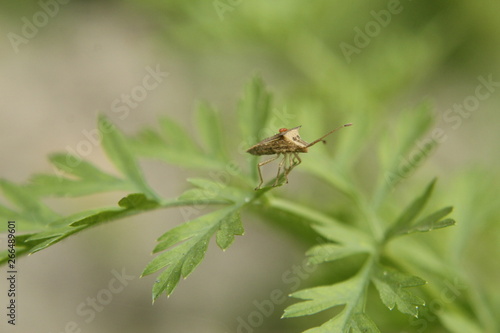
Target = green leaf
(64,227)
(254,109)
(318,299)
(350,294)
(253,112)
(56,231)
(148,142)
(80,168)
(181,259)
(331,252)
(44,239)
(86,179)
(69,225)
(197,227)
(177,138)
(402,149)
(407,217)
(210,131)
(67,220)
(51,185)
(172,261)
(9,214)
(195,255)
(173,145)
(115,145)
(209,189)
(361,323)
(137,201)
(129,205)
(340,323)
(325,225)
(32,212)
(101,217)
(428,223)
(328,169)
(229,227)
(393,285)
(22,247)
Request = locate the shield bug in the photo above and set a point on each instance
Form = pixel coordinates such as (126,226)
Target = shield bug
(286,143)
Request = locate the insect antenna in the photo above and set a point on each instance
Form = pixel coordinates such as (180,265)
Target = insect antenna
(327,134)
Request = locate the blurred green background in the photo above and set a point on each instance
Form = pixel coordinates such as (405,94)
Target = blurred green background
(61,63)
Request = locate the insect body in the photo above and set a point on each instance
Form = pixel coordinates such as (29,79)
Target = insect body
(288,144)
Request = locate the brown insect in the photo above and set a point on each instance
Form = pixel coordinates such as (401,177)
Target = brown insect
(287,143)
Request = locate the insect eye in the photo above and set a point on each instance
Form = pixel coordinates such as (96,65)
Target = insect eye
(281,130)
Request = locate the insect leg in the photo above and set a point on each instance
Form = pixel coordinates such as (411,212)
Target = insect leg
(280,166)
(289,168)
(260,173)
(293,161)
(297,159)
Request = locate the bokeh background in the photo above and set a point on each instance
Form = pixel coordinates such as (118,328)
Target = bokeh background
(62,62)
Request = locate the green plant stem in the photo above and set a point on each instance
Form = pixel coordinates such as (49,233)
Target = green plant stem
(364,275)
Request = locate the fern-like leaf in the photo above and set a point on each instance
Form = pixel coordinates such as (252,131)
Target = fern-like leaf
(186,244)
(253,111)
(393,285)
(29,211)
(193,237)
(402,149)
(210,132)
(350,294)
(115,145)
(428,223)
(75,177)
(174,144)
(404,224)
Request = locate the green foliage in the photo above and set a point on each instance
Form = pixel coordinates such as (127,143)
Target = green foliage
(404,225)
(29,209)
(195,236)
(84,178)
(367,228)
(349,293)
(173,144)
(391,284)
